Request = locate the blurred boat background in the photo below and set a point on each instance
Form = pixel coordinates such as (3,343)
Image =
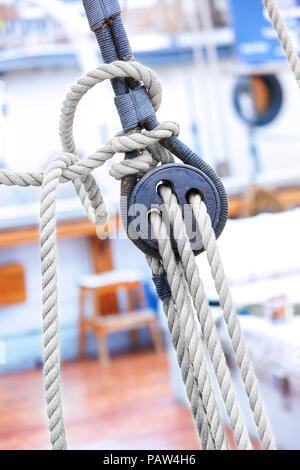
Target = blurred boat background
(235,107)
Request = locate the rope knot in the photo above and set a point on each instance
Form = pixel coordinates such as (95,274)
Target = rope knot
(163,131)
(151,153)
(85,186)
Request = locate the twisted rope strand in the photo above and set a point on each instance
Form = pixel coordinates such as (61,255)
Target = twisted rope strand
(188,372)
(284,38)
(51,356)
(207,323)
(175,278)
(233,324)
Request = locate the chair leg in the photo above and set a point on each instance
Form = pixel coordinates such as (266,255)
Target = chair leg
(82,332)
(156,336)
(103,348)
(134,336)
(82,342)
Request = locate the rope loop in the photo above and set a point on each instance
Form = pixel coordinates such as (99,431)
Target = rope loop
(117,69)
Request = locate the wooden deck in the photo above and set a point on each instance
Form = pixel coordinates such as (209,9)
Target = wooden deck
(125,405)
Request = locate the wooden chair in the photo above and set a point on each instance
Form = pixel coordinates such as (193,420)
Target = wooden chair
(107,287)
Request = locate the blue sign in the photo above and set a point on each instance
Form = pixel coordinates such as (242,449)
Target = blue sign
(255,39)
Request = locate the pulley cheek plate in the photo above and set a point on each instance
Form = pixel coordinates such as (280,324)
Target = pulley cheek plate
(145,197)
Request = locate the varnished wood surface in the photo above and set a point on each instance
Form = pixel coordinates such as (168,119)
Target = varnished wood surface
(127,404)
(288,197)
(102,258)
(73,229)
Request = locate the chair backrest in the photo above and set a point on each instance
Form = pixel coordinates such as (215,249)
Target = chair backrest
(134,297)
(258,199)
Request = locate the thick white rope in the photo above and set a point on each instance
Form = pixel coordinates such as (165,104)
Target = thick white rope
(187,262)
(189,368)
(232,321)
(191,338)
(284,38)
(205,317)
(182,321)
(51,354)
